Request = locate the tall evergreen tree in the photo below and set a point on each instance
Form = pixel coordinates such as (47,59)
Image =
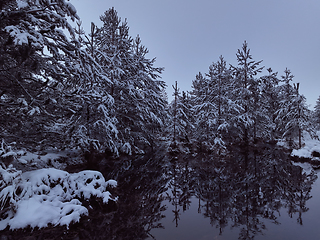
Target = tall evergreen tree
(135,84)
(246,92)
(270,99)
(316,113)
(91,124)
(220,83)
(298,118)
(286,92)
(181,119)
(204,112)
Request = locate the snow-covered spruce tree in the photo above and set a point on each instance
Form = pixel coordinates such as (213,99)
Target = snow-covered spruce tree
(298,116)
(33,67)
(187,115)
(246,94)
(135,85)
(174,112)
(269,86)
(204,112)
(89,124)
(180,126)
(220,83)
(316,114)
(146,112)
(286,91)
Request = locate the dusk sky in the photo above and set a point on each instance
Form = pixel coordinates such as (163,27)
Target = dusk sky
(187,36)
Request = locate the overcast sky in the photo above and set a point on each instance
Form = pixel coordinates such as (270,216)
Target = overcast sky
(187,36)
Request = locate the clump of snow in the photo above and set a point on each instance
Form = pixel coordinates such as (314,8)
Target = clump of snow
(22,161)
(48,196)
(9,154)
(281,142)
(18,35)
(112,183)
(34,110)
(5,149)
(30,161)
(126,148)
(310,145)
(306,167)
(71,8)
(22,4)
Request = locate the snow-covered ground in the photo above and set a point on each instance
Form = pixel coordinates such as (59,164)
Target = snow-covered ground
(310,145)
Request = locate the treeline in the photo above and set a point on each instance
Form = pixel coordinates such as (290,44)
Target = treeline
(61,88)
(233,104)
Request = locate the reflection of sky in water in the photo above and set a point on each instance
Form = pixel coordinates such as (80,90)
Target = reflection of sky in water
(193,225)
(289,228)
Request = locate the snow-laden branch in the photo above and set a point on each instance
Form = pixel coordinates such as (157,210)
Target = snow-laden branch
(48,196)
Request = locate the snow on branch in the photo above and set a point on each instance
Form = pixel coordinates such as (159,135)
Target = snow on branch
(48,196)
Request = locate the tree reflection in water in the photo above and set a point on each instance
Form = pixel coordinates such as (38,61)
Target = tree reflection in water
(141,193)
(241,190)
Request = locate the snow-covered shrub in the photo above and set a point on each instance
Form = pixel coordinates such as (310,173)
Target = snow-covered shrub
(6,153)
(47,196)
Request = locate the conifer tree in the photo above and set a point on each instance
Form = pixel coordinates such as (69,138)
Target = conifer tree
(33,79)
(181,119)
(316,113)
(91,125)
(298,118)
(135,84)
(220,82)
(246,93)
(204,112)
(270,99)
(286,92)
(187,116)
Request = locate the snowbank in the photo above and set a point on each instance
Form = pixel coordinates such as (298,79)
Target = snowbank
(311,145)
(47,196)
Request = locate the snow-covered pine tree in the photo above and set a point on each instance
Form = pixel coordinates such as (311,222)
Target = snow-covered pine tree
(316,114)
(286,91)
(31,77)
(246,93)
(89,124)
(135,84)
(174,114)
(204,112)
(220,82)
(270,98)
(114,54)
(181,125)
(187,116)
(298,117)
(147,108)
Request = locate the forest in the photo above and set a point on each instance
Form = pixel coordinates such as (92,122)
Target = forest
(99,96)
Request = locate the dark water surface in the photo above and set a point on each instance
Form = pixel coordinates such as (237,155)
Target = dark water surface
(250,194)
(195,225)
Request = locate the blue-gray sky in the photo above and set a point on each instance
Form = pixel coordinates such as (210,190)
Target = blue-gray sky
(187,36)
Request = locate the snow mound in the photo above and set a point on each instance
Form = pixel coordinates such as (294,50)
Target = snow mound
(47,196)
